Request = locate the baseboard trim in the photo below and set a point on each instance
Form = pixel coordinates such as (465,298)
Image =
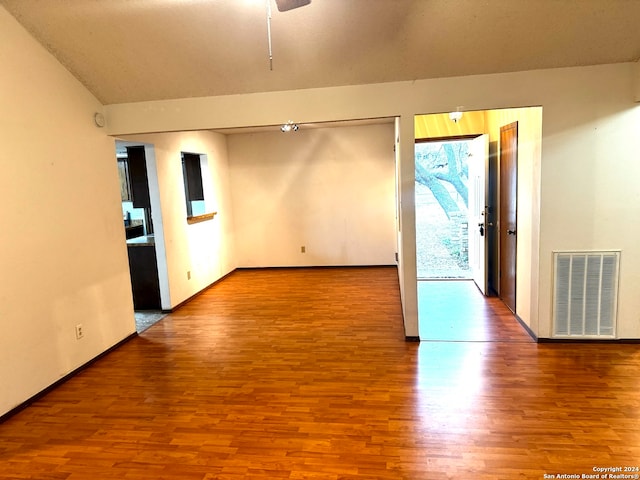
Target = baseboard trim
(616,341)
(526,327)
(299,267)
(184,302)
(411,338)
(575,340)
(62,380)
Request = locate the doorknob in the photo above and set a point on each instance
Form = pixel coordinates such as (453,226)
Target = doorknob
(511,232)
(481,225)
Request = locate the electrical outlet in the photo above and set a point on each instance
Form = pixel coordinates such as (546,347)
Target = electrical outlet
(79,331)
(188,274)
(303,249)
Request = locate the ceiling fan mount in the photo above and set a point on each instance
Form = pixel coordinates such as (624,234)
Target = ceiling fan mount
(284,5)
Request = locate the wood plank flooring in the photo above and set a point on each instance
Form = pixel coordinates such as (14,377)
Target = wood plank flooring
(305,374)
(456,311)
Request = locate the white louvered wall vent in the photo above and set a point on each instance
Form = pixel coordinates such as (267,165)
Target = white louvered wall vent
(585,294)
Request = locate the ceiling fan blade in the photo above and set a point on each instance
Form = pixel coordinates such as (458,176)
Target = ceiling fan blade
(284,5)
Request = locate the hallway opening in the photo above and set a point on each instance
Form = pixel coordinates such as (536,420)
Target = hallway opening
(470,184)
(456,311)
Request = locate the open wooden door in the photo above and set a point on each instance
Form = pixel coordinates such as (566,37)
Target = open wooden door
(508,213)
(478,190)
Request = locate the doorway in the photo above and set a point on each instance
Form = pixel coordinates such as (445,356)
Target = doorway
(451,209)
(442,214)
(451,184)
(484,222)
(143,231)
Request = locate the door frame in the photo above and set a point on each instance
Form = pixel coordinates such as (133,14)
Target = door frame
(478,206)
(451,138)
(156,218)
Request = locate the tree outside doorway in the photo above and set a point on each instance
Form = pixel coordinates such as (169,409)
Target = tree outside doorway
(442,174)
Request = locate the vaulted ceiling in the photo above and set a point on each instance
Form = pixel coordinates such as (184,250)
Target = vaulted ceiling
(138,50)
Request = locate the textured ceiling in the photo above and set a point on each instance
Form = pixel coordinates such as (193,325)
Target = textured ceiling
(137,50)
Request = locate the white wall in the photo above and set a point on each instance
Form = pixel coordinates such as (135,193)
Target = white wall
(330,190)
(205,249)
(63,259)
(590,199)
(399,233)
(590,126)
(637,81)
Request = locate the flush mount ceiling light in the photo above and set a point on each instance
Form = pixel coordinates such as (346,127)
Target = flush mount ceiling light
(289,127)
(456,116)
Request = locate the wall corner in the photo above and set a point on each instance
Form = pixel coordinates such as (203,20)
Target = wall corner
(636,81)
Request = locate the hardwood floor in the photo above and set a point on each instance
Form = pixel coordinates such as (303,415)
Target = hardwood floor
(456,311)
(305,374)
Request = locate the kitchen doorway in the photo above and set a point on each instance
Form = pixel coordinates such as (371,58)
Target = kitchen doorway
(143,231)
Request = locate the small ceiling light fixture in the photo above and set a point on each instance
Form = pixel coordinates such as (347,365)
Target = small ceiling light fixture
(456,116)
(288,127)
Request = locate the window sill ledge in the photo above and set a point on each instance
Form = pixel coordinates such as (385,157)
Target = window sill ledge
(201,218)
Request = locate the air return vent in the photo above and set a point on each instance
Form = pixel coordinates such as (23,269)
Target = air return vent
(585,294)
